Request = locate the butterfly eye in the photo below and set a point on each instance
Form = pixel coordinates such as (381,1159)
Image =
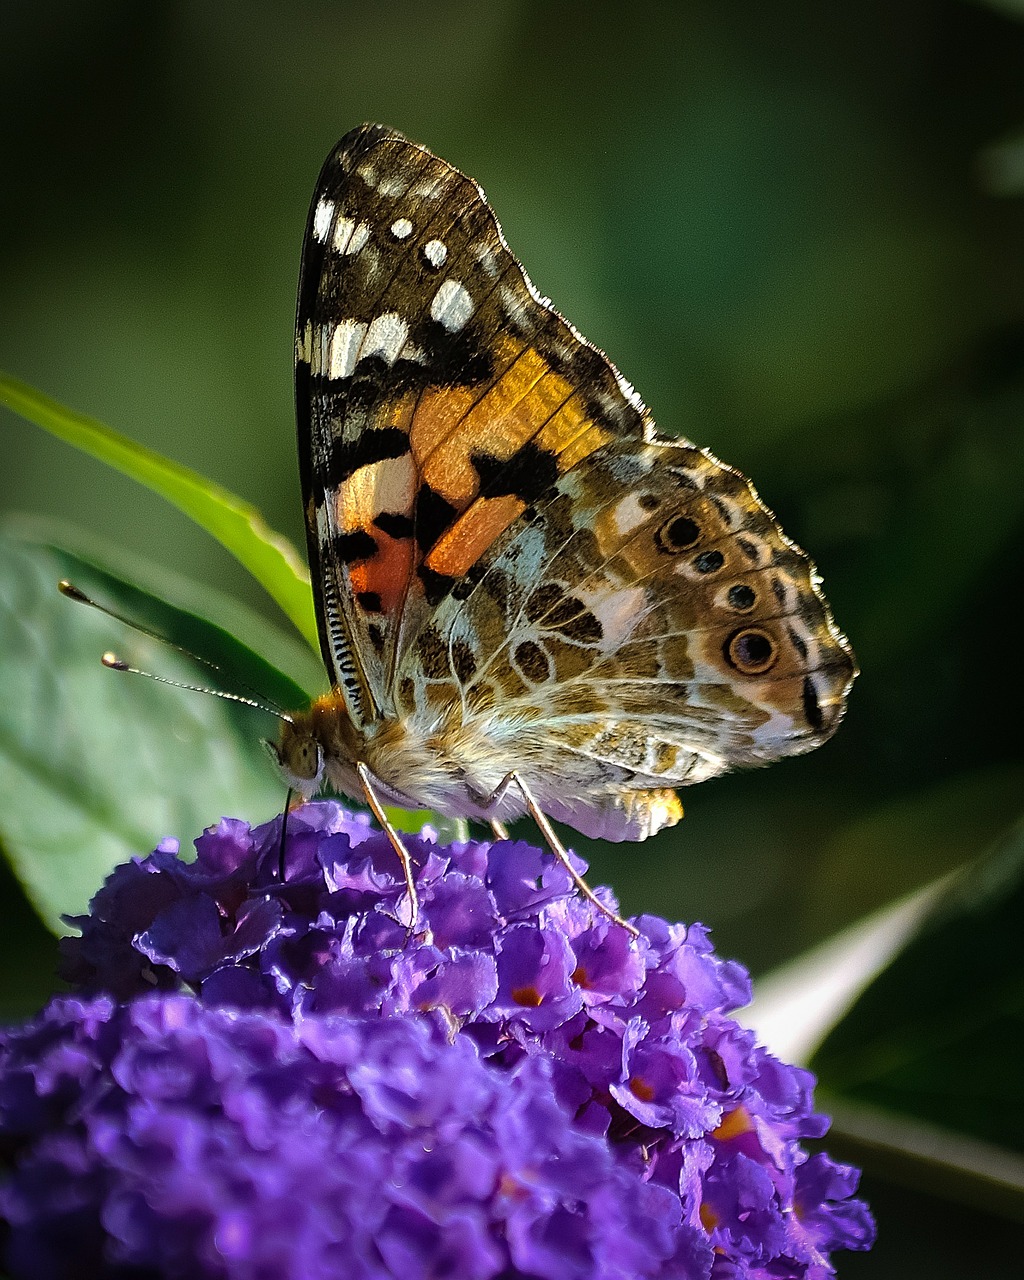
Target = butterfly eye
(302,761)
(751,651)
(677,534)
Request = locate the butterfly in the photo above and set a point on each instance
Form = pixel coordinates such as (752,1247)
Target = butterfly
(527,597)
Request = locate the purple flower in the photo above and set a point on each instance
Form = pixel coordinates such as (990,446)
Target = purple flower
(184,1140)
(298,1085)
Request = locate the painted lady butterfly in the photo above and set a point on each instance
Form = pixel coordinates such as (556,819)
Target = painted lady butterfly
(527,598)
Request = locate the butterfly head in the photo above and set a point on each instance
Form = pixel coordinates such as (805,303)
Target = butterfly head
(315,743)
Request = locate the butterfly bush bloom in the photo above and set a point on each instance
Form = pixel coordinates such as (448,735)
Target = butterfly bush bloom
(256,1079)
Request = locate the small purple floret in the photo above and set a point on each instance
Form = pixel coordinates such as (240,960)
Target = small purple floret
(258,1080)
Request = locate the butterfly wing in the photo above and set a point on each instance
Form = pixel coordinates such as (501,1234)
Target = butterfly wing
(646,626)
(509,555)
(431,408)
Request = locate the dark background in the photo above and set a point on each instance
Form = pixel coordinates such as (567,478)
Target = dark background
(796,228)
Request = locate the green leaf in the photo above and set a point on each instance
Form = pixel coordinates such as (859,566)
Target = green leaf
(921,1075)
(191,614)
(97,766)
(927,1157)
(447,830)
(238,526)
(796,1005)
(939,1036)
(896,847)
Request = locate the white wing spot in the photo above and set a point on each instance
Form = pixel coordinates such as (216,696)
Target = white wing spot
(344,352)
(323,526)
(392,184)
(485,256)
(617,612)
(319,348)
(776,729)
(401,228)
(451,306)
(376,487)
(343,229)
(322,219)
(385,337)
(359,237)
(628,514)
(304,343)
(428,189)
(516,308)
(435,253)
(413,353)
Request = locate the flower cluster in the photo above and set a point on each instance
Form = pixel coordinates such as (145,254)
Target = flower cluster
(210,1142)
(517,1088)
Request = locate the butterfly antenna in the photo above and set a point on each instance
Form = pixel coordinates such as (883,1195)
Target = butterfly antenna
(114,663)
(72,592)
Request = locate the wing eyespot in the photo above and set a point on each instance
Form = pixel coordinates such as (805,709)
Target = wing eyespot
(676,535)
(751,651)
(708,562)
(741,597)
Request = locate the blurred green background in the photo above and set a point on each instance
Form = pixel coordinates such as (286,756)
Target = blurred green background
(797,228)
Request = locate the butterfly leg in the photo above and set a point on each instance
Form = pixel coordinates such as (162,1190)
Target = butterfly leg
(499,829)
(557,848)
(396,841)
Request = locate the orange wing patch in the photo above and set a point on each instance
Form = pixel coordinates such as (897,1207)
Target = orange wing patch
(530,415)
(380,584)
(459,548)
(527,401)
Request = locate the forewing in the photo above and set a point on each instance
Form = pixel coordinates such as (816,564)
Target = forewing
(438,397)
